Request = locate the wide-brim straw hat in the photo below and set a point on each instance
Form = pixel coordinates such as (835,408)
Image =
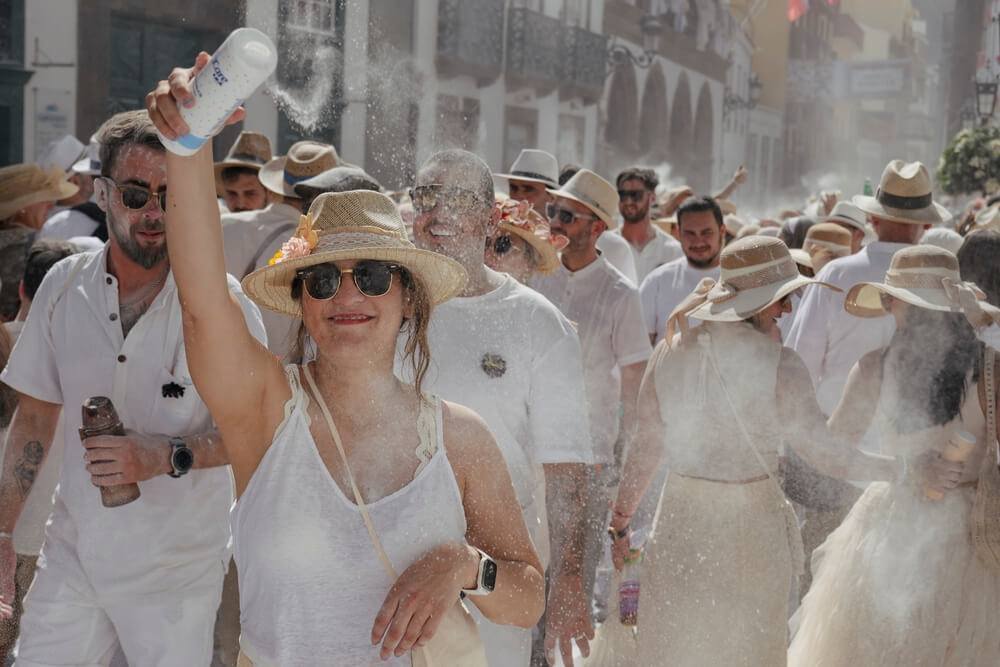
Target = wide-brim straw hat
(828,235)
(251,150)
(304,160)
(801,257)
(594,192)
(535,166)
(359,224)
(533,228)
(338,179)
(26,184)
(917,276)
(755,272)
(904,194)
(847,213)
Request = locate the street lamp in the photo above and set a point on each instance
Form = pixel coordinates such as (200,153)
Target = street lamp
(732,102)
(619,54)
(986,98)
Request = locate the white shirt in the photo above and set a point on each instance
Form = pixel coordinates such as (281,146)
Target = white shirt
(72,347)
(663,290)
(511,356)
(66,224)
(659,250)
(243,237)
(828,338)
(605,306)
(615,249)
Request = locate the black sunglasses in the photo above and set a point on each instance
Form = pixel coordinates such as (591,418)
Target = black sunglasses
(501,244)
(372,278)
(451,197)
(565,216)
(632,195)
(136,197)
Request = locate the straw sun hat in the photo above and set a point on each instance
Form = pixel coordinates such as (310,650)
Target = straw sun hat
(350,225)
(518,218)
(919,275)
(26,184)
(755,272)
(594,192)
(251,150)
(904,194)
(304,160)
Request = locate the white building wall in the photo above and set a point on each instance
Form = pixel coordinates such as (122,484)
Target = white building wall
(50,46)
(353,121)
(262,113)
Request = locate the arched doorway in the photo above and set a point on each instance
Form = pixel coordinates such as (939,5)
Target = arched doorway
(681,131)
(703,148)
(621,131)
(653,117)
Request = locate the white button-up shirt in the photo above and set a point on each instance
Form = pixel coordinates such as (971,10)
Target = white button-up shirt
(828,338)
(659,250)
(72,348)
(605,306)
(614,248)
(663,290)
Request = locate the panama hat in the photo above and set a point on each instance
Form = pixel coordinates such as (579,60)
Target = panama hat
(25,184)
(844,212)
(594,192)
(304,160)
(338,179)
(801,257)
(63,152)
(904,194)
(251,150)
(755,272)
(535,166)
(828,235)
(520,219)
(919,275)
(90,163)
(359,224)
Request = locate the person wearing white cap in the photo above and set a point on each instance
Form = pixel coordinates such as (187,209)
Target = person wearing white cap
(717,401)
(851,218)
(84,224)
(651,246)
(604,304)
(505,351)
(65,152)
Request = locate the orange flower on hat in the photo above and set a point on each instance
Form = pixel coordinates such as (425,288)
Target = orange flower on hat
(521,214)
(300,244)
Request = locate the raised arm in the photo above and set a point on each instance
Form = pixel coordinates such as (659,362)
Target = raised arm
(233,372)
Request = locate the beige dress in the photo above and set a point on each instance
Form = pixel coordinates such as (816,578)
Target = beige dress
(723,551)
(898,582)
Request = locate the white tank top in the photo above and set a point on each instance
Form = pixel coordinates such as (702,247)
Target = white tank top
(310,579)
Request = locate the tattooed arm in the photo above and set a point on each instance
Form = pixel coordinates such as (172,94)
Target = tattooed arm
(27,443)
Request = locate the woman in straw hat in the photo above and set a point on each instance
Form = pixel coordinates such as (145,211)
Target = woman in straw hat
(522,244)
(434,486)
(899,583)
(717,401)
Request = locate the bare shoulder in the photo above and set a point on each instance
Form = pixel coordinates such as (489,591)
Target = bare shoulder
(870,364)
(464,428)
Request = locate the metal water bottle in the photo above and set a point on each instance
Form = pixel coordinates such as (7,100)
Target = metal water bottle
(237,68)
(101,418)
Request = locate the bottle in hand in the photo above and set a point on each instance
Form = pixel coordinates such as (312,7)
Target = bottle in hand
(101,418)
(628,590)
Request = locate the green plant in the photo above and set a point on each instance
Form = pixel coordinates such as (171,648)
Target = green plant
(971,163)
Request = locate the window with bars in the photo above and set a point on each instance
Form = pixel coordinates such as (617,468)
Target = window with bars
(7,31)
(310,15)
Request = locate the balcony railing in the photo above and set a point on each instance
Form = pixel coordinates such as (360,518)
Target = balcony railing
(584,63)
(470,38)
(534,50)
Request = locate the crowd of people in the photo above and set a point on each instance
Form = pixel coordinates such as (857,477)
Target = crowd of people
(429,426)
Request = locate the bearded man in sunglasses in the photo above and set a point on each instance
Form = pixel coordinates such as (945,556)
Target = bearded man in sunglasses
(651,246)
(146,576)
(505,351)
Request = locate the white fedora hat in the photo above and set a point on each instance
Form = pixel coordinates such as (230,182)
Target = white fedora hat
(904,194)
(63,152)
(846,213)
(305,159)
(594,192)
(90,163)
(535,166)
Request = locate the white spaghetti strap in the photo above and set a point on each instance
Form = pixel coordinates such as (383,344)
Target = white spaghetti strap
(350,476)
(427,431)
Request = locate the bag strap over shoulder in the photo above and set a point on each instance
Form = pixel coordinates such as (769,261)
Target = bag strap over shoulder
(350,476)
(990,457)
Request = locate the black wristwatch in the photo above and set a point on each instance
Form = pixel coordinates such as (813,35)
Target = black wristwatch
(181,457)
(486,580)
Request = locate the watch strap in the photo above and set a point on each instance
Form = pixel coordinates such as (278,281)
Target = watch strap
(481,588)
(176,444)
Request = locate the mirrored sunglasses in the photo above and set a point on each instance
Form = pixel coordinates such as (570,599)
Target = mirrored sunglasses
(136,197)
(372,278)
(451,197)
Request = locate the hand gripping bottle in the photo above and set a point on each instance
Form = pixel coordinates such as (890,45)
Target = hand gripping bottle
(236,70)
(957,449)
(101,418)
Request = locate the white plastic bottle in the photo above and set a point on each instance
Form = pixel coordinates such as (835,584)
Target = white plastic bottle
(236,70)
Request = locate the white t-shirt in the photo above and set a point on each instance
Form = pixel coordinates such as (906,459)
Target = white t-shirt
(659,250)
(665,287)
(616,250)
(66,224)
(72,347)
(243,237)
(604,304)
(511,356)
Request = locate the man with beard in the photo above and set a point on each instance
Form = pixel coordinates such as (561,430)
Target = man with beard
(146,576)
(505,351)
(702,232)
(651,246)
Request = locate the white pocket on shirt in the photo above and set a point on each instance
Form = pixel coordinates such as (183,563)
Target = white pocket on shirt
(176,409)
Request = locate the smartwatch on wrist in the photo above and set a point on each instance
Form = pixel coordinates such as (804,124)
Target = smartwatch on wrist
(181,457)
(486,579)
